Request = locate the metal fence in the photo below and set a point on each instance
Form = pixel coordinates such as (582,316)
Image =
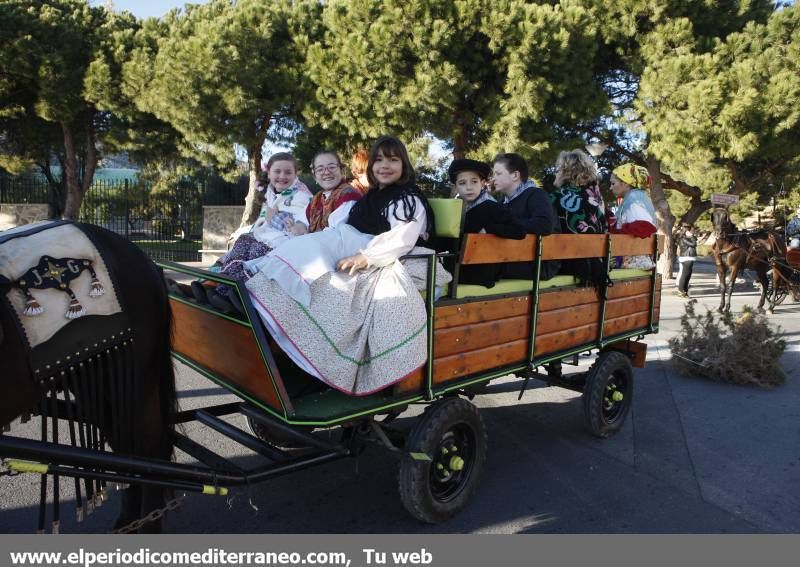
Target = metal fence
(167,224)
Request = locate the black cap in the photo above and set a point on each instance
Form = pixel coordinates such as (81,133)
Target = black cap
(460,165)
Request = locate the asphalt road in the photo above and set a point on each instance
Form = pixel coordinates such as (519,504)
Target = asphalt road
(693,457)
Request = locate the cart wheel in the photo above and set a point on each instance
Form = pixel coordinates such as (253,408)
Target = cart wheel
(780,294)
(608,393)
(452,434)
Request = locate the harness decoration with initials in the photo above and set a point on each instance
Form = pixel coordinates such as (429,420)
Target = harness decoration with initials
(57,273)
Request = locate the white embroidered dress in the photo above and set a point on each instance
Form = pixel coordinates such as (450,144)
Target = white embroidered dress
(293,201)
(359,333)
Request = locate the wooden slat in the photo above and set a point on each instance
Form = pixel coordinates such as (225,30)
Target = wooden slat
(457,365)
(562,340)
(469,326)
(627,323)
(229,350)
(558,299)
(629,245)
(474,360)
(570,246)
(621,315)
(491,249)
(567,318)
(628,306)
(479,335)
(629,288)
(480,310)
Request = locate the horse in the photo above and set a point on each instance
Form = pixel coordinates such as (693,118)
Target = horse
(735,251)
(118,388)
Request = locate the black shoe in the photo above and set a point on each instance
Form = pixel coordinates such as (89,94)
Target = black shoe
(199,292)
(221,303)
(178,289)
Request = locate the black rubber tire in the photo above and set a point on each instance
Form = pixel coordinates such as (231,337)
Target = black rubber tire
(611,371)
(430,495)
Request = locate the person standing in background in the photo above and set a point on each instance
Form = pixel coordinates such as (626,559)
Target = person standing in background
(687,254)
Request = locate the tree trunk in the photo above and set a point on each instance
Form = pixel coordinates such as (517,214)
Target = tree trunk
(666,220)
(254,199)
(78,185)
(74,199)
(55,203)
(90,163)
(697,208)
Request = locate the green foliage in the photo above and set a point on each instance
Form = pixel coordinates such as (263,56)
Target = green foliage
(728,111)
(744,350)
(221,73)
(549,87)
(483,76)
(711,88)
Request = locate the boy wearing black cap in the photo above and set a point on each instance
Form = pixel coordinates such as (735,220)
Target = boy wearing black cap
(483,215)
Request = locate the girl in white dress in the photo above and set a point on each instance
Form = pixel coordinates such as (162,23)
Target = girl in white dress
(338,301)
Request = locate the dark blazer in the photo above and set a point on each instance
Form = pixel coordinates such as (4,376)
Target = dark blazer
(533,210)
(494,219)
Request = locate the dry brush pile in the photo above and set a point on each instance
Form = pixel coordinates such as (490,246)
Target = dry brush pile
(724,348)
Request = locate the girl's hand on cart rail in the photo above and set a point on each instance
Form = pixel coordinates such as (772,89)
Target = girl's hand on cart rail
(352,264)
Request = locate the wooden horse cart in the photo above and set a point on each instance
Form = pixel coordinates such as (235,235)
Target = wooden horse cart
(530,329)
(786,279)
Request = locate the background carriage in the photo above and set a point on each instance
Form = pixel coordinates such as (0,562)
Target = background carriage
(530,329)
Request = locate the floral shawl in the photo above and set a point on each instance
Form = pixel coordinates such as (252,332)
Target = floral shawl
(580,209)
(320,207)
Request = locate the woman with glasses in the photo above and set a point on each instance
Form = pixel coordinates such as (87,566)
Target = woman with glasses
(336,191)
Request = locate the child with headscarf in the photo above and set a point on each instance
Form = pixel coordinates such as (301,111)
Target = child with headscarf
(636,214)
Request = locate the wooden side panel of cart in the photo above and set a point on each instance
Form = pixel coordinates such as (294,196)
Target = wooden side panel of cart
(483,334)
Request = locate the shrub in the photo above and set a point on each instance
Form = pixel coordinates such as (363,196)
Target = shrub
(738,350)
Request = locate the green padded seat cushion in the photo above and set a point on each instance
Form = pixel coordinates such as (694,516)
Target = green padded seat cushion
(448,214)
(512,286)
(629,274)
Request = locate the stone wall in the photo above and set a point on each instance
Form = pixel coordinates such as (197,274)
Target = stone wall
(219,222)
(13,215)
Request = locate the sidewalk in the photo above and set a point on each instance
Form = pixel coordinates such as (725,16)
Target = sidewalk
(736,447)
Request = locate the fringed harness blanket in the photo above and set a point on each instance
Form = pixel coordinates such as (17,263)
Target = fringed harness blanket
(78,341)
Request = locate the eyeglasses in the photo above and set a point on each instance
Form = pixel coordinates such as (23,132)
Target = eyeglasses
(330,168)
